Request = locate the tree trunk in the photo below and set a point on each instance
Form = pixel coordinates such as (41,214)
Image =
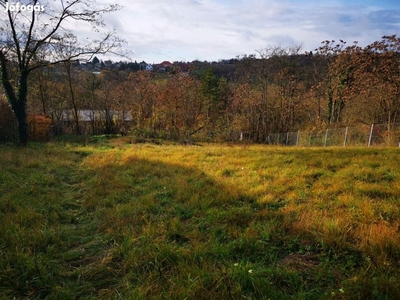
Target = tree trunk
(19,109)
(42,95)
(17,102)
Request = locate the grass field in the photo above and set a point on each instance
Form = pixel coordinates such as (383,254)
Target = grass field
(114,220)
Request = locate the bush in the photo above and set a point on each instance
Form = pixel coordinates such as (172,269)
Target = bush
(39,128)
(8,124)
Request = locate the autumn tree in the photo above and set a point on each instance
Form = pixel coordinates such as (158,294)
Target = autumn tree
(244,110)
(71,91)
(209,86)
(270,81)
(40,90)
(337,76)
(216,93)
(286,85)
(26,33)
(141,98)
(315,97)
(89,85)
(223,119)
(380,78)
(180,106)
(372,83)
(105,87)
(122,97)
(256,73)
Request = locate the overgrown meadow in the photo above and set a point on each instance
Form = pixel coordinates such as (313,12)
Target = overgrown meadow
(116,220)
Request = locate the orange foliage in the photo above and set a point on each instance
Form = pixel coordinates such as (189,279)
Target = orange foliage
(39,128)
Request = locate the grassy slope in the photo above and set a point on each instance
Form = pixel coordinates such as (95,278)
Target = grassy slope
(120,221)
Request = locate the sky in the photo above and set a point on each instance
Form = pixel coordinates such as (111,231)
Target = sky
(186,30)
(211,30)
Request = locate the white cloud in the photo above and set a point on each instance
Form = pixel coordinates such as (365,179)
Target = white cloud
(160,30)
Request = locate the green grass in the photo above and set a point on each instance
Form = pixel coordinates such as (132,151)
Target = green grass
(115,220)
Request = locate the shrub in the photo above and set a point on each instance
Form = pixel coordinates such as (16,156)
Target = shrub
(8,124)
(39,128)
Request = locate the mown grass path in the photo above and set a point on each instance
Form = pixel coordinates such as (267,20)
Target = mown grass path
(114,220)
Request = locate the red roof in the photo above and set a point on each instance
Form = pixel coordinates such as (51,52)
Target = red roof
(166,63)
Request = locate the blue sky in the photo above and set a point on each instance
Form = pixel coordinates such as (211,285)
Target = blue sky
(158,30)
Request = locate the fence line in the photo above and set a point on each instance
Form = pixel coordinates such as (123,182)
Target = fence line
(363,135)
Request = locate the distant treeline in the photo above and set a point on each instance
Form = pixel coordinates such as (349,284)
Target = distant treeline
(275,90)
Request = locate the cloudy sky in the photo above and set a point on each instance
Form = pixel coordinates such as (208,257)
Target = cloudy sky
(186,30)
(158,30)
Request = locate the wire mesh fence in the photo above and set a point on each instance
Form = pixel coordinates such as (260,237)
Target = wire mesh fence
(362,135)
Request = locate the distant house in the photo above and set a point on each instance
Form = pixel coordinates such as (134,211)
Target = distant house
(149,68)
(87,115)
(108,63)
(96,121)
(143,65)
(164,66)
(184,66)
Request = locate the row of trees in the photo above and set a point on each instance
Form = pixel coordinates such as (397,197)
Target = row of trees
(276,90)
(280,90)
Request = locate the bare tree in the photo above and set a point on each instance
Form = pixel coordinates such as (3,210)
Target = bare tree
(336,78)
(273,78)
(43,29)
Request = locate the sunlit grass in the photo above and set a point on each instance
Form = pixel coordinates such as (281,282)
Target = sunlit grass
(115,220)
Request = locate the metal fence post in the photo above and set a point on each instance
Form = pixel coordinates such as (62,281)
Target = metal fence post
(326,137)
(345,136)
(297,139)
(370,135)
